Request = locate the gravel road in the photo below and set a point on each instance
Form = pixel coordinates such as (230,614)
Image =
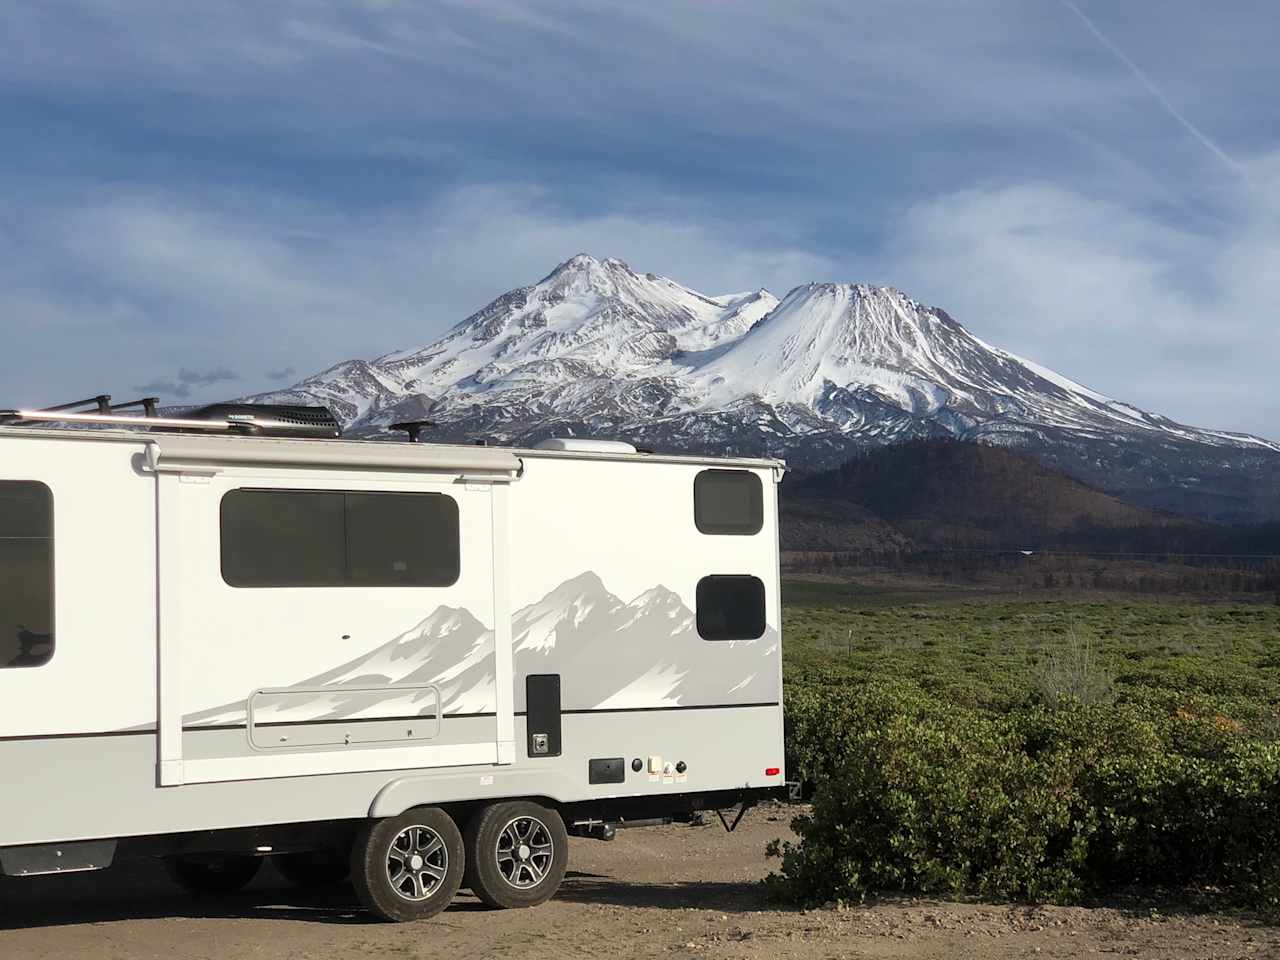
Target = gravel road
(651,892)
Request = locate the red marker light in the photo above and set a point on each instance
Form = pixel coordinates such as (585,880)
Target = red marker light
(772,771)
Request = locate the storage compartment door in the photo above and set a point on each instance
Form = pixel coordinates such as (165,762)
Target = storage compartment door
(542,714)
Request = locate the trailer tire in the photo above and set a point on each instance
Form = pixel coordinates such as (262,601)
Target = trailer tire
(517,853)
(313,868)
(408,867)
(213,875)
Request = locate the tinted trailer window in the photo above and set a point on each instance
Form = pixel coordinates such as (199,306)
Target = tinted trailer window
(320,538)
(731,608)
(26,573)
(728,502)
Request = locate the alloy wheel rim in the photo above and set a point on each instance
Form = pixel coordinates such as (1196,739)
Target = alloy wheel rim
(524,852)
(417,862)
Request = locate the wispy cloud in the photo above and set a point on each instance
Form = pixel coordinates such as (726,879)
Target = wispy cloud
(187,382)
(204,378)
(1160,315)
(299,287)
(1154,90)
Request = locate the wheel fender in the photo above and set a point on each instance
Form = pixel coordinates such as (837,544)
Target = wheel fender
(404,793)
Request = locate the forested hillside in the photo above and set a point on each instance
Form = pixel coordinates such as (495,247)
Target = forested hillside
(949,495)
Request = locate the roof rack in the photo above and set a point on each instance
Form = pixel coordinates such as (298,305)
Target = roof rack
(259,419)
(148,405)
(102,403)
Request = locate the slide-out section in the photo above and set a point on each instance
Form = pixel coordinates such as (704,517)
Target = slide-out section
(293,606)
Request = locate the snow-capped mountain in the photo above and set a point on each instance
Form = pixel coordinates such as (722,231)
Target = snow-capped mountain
(596,333)
(595,348)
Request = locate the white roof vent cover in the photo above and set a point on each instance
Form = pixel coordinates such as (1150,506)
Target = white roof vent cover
(576,445)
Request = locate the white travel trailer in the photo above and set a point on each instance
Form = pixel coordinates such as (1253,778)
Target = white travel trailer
(222,638)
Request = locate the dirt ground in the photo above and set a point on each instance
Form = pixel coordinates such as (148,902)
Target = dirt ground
(666,891)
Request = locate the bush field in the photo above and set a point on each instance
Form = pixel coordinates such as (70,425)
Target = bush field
(1030,748)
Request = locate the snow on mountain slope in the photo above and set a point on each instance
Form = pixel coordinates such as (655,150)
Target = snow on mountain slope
(843,334)
(587,317)
(595,347)
(588,322)
(912,357)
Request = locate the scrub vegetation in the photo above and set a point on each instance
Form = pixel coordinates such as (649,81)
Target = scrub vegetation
(1038,747)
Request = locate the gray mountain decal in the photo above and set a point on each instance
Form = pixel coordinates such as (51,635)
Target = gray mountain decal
(610,654)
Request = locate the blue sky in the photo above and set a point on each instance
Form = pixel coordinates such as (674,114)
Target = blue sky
(222,197)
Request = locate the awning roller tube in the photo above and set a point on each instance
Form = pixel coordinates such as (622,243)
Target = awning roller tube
(194,453)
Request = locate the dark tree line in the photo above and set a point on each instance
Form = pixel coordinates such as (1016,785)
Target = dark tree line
(951,495)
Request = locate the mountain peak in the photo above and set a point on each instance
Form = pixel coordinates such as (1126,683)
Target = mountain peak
(849,292)
(585,584)
(831,336)
(873,319)
(586,263)
(595,348)
(658,598)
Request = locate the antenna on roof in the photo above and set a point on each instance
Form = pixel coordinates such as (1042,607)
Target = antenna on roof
(412,427)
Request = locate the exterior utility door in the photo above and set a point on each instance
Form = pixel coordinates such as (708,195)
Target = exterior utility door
(320,621)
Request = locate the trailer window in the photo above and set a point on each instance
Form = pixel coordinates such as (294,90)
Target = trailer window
(730,608)
(728,502)
(26,573)
(320,538)
(409,539)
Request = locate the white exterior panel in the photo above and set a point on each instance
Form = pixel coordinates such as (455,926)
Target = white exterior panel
(582,565)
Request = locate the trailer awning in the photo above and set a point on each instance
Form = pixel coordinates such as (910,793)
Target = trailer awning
(169,454)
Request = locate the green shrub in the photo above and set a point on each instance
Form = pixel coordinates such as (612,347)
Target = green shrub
(1074,672)
(918,793)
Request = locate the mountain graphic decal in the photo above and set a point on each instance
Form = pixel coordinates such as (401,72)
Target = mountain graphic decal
(610,654)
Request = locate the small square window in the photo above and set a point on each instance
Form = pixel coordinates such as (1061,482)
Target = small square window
(731,608)
(728,502)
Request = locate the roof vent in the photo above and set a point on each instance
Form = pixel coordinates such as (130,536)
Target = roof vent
(271,420)
(584,446)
